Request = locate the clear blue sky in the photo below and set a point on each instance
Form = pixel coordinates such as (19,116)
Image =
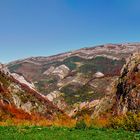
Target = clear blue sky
(46,27)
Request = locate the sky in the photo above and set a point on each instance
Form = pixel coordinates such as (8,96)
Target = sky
(47,27)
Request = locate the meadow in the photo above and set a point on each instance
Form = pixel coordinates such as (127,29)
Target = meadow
(63,133)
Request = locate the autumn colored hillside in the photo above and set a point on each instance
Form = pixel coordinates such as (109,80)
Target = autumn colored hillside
(19,101)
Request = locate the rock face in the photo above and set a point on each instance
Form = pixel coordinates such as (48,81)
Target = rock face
(78,77)
(61,71)
(128,88)
(22,80)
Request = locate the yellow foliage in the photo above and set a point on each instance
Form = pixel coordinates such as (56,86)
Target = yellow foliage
(87,120)
(130,121)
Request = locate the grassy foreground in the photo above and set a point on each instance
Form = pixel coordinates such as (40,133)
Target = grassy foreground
(55,133)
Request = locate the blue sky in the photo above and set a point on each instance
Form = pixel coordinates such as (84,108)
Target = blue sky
(47,27)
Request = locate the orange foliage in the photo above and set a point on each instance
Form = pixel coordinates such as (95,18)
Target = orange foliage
(87,120)
(101,122)
(16,116)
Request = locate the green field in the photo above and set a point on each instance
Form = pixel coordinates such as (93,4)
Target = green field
(54,133)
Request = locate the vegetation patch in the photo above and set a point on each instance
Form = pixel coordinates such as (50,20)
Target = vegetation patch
(47,85)
(70,62)
(131,121)
(14,67)
(63,133)
(102,64)
(73,94)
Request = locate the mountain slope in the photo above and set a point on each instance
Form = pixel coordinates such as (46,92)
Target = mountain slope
(20,101)
(78,79)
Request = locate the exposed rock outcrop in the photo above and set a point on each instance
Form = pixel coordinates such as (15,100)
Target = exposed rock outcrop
(22,80)
(128,87)
(99,74)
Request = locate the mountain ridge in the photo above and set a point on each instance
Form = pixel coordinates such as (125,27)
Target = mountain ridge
(69,52)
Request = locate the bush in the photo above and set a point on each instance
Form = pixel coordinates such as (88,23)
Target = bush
(81,125)
(130,122)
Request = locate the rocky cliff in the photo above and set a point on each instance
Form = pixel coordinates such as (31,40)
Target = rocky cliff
(128,87)
(124,94)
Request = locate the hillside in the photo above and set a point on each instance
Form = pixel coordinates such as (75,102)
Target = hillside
(18,100)
(76,80)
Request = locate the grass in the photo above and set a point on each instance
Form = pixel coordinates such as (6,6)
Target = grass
(62,133)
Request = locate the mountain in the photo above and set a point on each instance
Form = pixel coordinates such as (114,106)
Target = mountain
(76,81)
(19,100)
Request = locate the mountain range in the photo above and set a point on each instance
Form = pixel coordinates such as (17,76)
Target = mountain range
(86,81)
